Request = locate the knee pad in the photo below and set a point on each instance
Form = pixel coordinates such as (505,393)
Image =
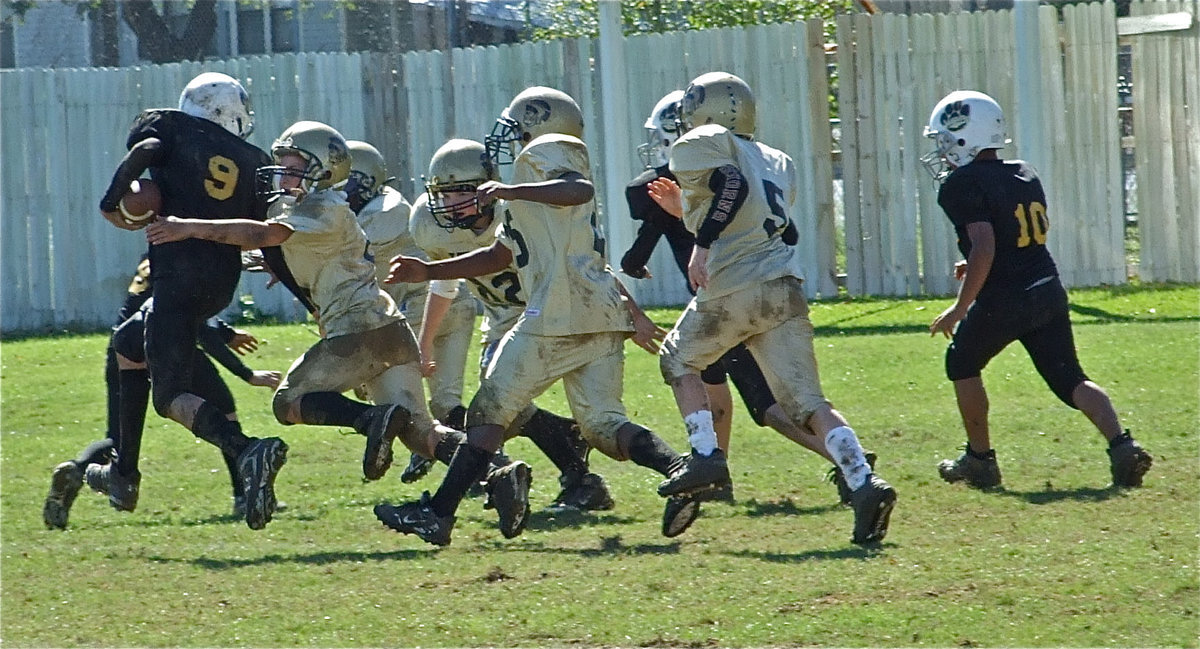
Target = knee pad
(280,404)
(959,366)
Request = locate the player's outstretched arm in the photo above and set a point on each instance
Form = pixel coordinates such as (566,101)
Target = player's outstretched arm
(568,189)
(245,233)
(667,194)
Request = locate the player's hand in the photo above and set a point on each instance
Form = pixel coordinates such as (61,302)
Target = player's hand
(945,322)
(646,334)
(242,342)
(960,269)
(266,379)
(643,274)
(410,270)
(428,364)
(491,191)
(667,194)
(116,219)
(698,268)
(167,229)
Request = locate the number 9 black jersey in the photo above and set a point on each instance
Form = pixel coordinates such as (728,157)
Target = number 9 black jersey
(1008,195)
(204,172)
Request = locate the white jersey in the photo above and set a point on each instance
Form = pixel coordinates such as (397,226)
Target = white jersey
(385,222)
(750,249)
(500,292)
(327,254)
(559,251)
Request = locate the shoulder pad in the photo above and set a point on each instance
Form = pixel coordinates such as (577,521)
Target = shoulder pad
(705,147)
(554,154)
(643,179)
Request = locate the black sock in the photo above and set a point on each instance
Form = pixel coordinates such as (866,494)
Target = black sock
(987,455)
(210,425)
(231,465)
(330,409)
(1120,439)
(466,469)
(135,396)
(444,451)
(550,433)
(112,389)
(100,452)
(649,450)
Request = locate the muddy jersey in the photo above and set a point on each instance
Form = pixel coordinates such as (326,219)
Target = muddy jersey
(500,293)
(751,248)
(559,251)
(1008,195)
(203,172)
(385,222)
(328,255)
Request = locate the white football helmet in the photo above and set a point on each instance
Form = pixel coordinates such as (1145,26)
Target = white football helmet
(962,124)
(219,98)
(718,98)
(460,167)
(662,129)
(368,173)
(534,112)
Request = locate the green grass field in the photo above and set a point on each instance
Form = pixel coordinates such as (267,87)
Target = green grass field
(1055,558)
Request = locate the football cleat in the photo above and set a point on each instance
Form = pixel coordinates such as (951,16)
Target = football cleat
(417,518)
(838,479)
(381,425)
(588,493)
(1128,461)
(873,503)
(981,474)
(418,467)
(65,483)
(258,466)
(699,473)
(679,514)
(508,491)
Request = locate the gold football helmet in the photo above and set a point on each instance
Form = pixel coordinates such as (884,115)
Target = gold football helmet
(368,174)
(534,112)
(719,98)
(323,149)
(458,167)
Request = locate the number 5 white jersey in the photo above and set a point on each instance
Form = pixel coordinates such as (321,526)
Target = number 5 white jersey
(751,248)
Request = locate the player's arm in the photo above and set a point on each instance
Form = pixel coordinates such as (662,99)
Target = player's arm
(646,334)
(245,233)
(979,265)
(482,261)
(143,155)
(633,262)
(214,340)
(437,305)
(570,188)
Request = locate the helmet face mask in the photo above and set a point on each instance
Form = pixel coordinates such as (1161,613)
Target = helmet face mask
(221,99)
(962,124)
(534,112)
(456,171)
(662,129)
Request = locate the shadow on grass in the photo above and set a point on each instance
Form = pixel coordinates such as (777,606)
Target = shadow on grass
(854,552)
(609,546)
(784,507)
(1051,495)
(316,558)
(548,519)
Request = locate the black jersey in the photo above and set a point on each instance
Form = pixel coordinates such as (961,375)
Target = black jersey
(656,223)
(1007,194)
(204,172)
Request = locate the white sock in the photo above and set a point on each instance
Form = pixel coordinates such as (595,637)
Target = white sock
(842,444)
(701,434)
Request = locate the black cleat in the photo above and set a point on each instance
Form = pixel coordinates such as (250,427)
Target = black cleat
(1128,462)
(873,503)
(700,473)
(258,466)
(679,514)
(417,518)
(381,425)
(508,491)
(588,493)
(65,483)
(418,467)
(835,475)
(981,474)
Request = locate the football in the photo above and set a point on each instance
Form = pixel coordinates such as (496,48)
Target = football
(141,203)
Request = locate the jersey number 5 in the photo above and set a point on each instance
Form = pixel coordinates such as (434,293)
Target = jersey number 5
(1033,224)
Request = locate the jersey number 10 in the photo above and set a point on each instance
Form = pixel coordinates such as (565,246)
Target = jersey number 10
(1033,224)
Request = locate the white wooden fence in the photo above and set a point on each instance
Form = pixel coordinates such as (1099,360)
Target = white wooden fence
(63,132)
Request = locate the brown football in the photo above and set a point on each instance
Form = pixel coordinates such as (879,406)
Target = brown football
(141,203)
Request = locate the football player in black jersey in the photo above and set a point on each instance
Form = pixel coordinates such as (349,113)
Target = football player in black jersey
(204,169)
(127,387)
(643,194)
(1010,287)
